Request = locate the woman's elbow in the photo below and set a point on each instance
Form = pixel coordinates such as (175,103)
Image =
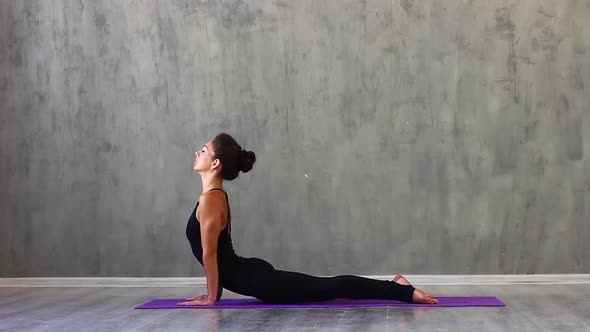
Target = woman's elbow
(208,256)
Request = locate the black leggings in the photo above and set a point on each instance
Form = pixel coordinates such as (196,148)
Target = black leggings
(258,278)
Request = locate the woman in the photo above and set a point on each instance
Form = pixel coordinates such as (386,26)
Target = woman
(209,233)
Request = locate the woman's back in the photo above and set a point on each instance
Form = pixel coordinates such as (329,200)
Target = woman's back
(226,256)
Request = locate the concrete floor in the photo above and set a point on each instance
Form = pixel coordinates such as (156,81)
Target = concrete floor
(529,308)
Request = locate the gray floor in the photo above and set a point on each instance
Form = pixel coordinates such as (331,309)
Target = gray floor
(529,308)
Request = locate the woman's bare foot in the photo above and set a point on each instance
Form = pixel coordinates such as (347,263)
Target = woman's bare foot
(401,280)
(422,297)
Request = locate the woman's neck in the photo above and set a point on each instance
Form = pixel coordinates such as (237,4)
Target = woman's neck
(210,181)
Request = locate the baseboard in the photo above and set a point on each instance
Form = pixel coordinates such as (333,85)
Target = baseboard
(503,279)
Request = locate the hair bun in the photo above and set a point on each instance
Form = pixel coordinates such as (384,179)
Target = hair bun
(247,159)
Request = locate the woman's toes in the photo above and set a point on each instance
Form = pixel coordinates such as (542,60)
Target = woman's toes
(431,299)
(421,297)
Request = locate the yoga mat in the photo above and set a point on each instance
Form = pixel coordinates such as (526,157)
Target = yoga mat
(250,303)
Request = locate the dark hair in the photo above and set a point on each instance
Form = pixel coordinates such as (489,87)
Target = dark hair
(233,158)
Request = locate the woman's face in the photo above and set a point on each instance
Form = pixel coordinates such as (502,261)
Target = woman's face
(204,158)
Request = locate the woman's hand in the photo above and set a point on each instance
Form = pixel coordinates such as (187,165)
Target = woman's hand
(196,297)
(200,300)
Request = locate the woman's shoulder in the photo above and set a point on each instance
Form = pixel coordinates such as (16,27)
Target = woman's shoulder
(212,199)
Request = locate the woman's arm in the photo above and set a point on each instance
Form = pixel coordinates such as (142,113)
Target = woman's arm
(211,214)
(211,220)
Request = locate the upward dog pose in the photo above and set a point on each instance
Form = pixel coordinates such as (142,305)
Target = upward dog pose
(209,233)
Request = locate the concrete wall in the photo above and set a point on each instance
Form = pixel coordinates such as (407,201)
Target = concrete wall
(421,137)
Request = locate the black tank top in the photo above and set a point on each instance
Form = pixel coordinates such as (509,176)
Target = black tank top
(226,256)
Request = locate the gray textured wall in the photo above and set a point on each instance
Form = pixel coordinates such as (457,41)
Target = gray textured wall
(405,136)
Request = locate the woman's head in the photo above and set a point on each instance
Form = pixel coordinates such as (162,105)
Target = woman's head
(224,156)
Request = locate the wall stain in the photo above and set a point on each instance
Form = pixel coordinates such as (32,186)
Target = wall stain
(407,5)
(504,24)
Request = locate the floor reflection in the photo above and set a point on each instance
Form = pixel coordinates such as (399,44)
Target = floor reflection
(392,317)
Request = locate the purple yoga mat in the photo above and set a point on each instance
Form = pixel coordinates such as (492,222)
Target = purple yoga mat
(249,303)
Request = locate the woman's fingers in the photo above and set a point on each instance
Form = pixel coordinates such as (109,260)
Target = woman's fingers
(198,302)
